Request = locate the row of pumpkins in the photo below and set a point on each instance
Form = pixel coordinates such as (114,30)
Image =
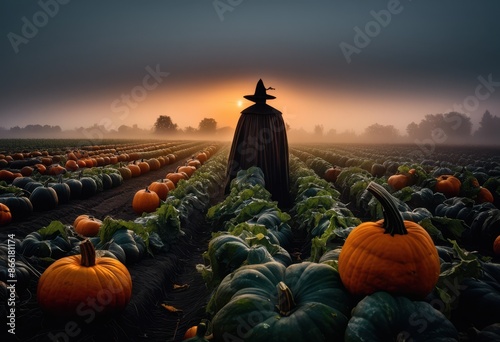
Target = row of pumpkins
(108,280)
(57,190)
(376,292)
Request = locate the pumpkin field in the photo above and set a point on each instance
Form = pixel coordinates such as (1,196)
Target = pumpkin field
(134,240)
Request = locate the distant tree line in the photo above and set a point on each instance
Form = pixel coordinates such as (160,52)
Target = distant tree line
(36,129)
(446,128)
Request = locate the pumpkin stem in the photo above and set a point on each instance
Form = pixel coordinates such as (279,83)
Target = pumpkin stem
(87,251)
(285,299)
(201,329)
(393,221)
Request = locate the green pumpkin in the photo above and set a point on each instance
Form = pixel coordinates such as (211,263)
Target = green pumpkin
(63,191)
(227,252)
(478,302)
(89,187)
(116,179)
(44,198)
(125,239)
(20,206)
(270,302)
(75,187)
(383,317)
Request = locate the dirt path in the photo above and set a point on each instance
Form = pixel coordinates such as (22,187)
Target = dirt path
(144,318)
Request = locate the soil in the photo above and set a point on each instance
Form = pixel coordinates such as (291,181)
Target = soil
(153,278)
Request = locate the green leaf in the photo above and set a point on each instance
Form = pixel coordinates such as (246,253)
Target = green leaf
(110,226)
(466,265)
(53,229)
(443,228)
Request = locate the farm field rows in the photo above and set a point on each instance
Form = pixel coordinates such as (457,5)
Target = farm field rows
(186,253)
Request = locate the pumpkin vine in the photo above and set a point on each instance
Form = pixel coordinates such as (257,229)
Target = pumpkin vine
(393,220)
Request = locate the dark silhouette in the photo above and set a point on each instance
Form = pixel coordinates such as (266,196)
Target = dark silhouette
(207,126)
(260,140)
(487,133)
(381,133)
(164,124)
(446,128)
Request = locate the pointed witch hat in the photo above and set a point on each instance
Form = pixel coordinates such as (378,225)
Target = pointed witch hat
(260,94)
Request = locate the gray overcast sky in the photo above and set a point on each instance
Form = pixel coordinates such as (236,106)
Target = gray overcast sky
(423,59)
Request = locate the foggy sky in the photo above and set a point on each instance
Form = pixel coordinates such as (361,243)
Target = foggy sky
(423,58)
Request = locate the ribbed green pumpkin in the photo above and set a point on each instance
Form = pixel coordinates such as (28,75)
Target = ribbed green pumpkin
(384,317)
(270,302)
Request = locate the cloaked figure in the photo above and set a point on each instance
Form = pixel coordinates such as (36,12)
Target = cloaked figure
(260,140)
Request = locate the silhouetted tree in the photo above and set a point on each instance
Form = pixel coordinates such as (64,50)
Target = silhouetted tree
(189,129)
(447,128)
(378,132)
(207,125)
(331,132)
(318,130)
(164,124)
(489,126)
(412,130)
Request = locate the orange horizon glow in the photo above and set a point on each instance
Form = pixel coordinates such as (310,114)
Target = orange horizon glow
(302,107)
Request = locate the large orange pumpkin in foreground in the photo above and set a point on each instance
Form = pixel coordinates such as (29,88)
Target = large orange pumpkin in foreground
(76,284)
(389,255)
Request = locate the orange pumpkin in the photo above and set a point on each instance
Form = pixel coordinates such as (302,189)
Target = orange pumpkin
(134,169)
(87,225)
(197,332)
(171,157)
(202,157)
(191,332)
(40,168)
(145,201)
(5,215)
(154,164)
(448,185)
(401,180)
(71,165)
(484,195)
(389,255)
(194,162)
(7,176)
(170,184)
(496,245)
(189,170)
(83,282)
(331,174)
(26,171)
(56,169)
(175,177)
(144,166)
(161,188)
